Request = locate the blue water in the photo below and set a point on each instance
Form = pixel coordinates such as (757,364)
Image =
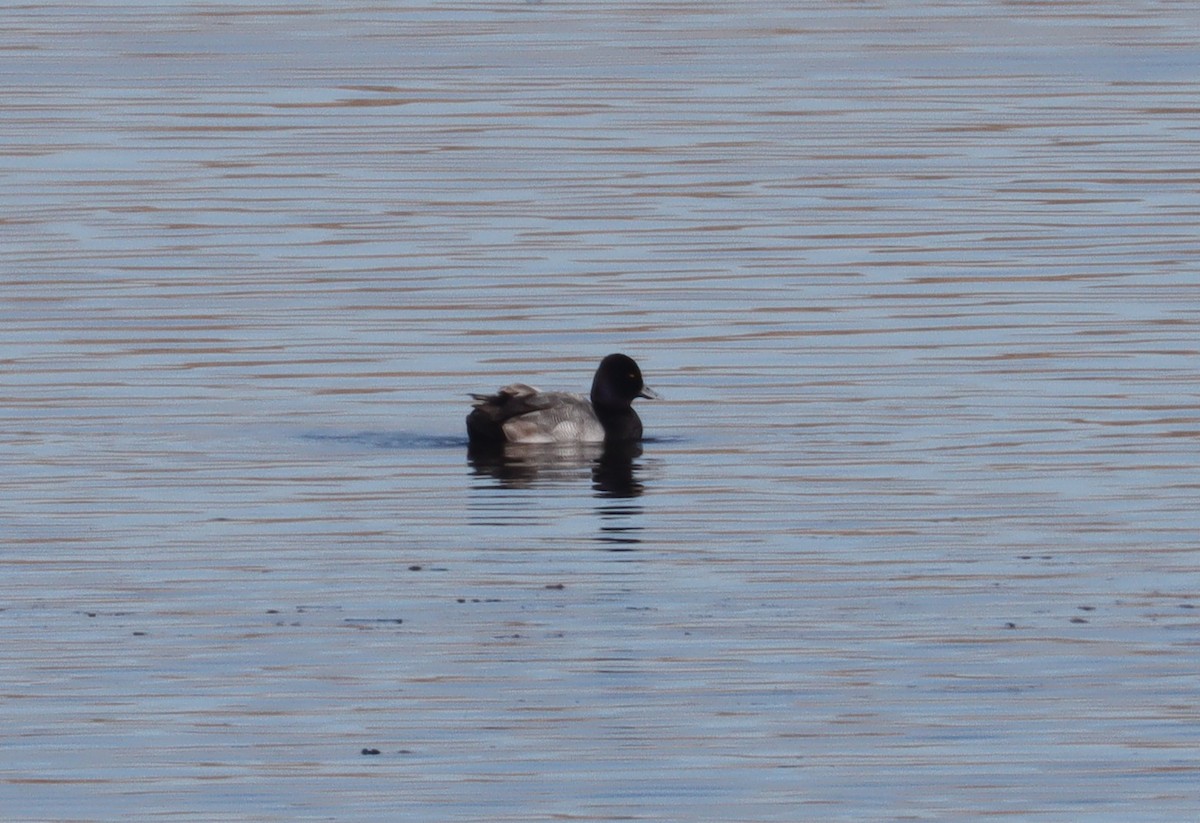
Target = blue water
(913,532)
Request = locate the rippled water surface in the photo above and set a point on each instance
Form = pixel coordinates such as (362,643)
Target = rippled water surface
(914,532)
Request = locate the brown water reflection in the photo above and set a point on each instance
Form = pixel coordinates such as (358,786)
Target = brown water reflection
(915,535)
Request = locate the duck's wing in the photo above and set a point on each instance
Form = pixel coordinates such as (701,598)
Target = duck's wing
(511,401)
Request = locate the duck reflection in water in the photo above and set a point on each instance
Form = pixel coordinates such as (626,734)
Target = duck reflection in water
(613,466)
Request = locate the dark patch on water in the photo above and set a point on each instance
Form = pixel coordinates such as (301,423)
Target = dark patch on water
(418,441)
(390,440)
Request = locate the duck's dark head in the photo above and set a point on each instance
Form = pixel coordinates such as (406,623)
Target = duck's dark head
(618,381)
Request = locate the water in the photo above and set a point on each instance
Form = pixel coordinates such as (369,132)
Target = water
(913,535)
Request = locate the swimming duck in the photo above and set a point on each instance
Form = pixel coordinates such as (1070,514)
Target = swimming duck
(523,414)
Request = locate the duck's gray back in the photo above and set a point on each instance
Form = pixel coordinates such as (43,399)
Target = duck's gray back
(521,414)
(555,417)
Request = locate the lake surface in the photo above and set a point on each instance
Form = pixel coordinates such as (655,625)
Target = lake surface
(914,534)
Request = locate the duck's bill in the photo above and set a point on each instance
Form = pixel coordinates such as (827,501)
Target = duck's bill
(649,393)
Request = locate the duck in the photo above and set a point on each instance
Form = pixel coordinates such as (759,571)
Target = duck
(519,413)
